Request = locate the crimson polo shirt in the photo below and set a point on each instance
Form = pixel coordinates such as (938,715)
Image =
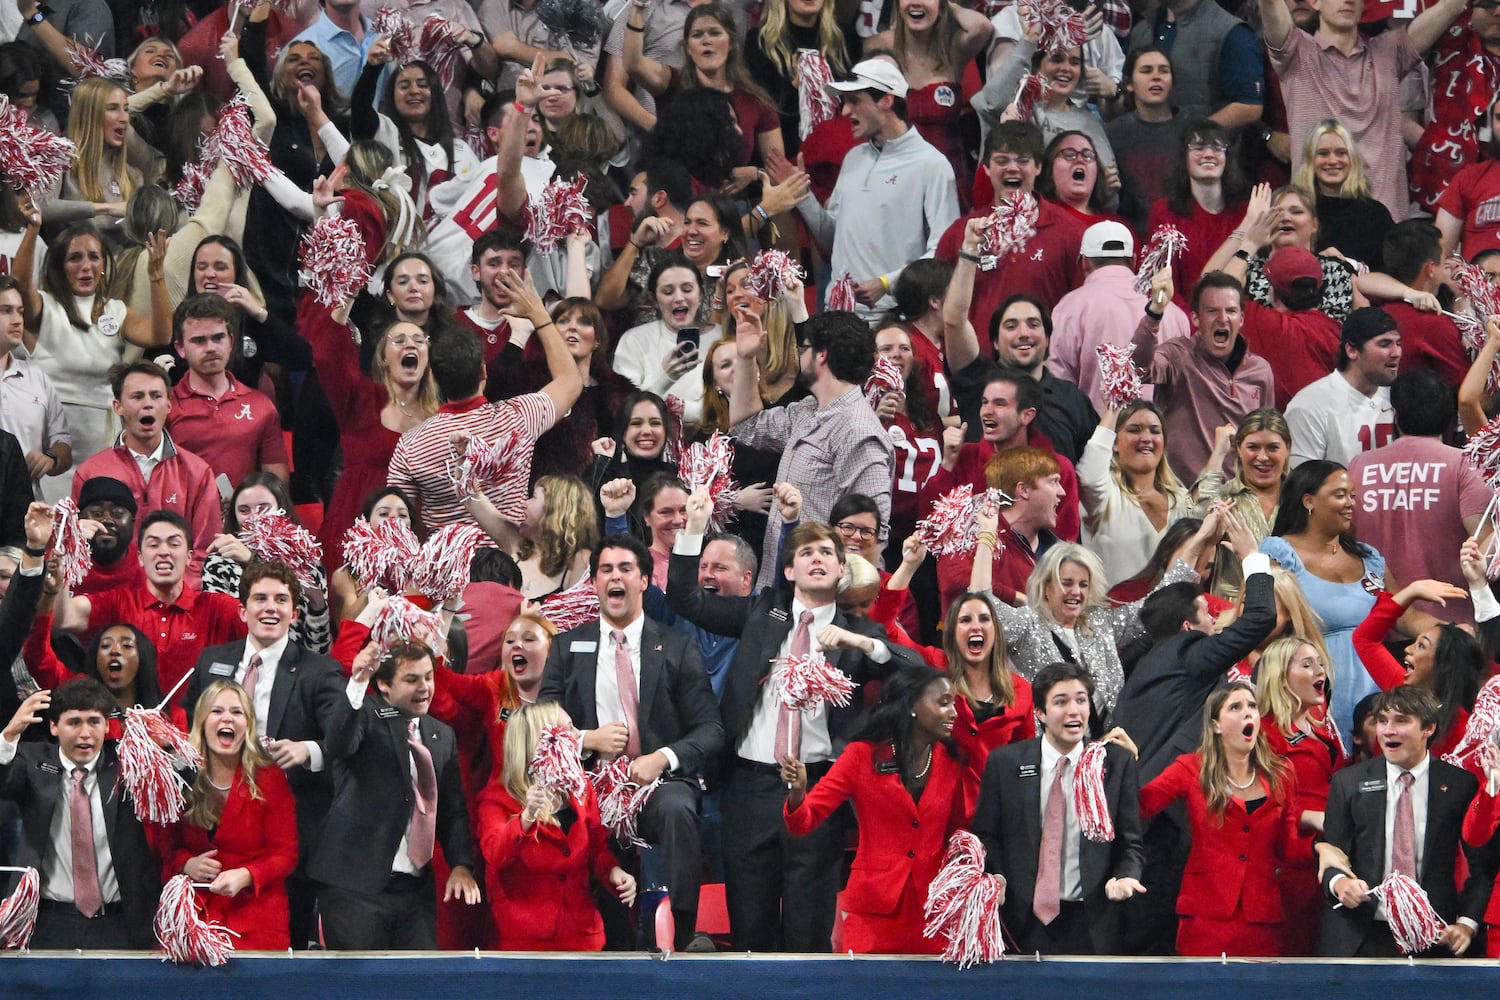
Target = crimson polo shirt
(1302,347)
(181,629)
(236,434)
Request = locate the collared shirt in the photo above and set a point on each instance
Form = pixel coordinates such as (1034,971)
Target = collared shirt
(30,407)
(57,864)
(355,692)
(1072,874)
(1418,793)
(661,40)
(608,707)
(181,629)
(346,54)
(270,662)
(236,433)
(146,463)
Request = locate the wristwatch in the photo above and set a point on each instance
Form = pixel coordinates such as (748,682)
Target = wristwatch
(41,14)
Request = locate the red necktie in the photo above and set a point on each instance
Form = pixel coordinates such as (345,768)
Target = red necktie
(630,697)
(1404,832)
(1046,898)
(422,832)
(86,894)
(252,677)
(788,720)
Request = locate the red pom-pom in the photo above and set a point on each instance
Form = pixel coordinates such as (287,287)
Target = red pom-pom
(1415,925)
(1008,229)
(148,770)
(74,556)
(1057,24)
(1165,243)
(274,537)
(677,407)
(1483,452)
(559,210)
(1028,93)
(372,555)
(234,142)
(951,528)
(885,378)
(32,158)
(772,273)
(556,761)
(576,606)
(1119,378)
(621,800)
(476,463)
(963,905)
(841,294)
(441,44)
(1483,723)
(802,683)
(401,36)
(334,265)
(402,621)
(444,569)
(89,63)
(1089,801)
(18,912)
(1483,301)
(706,465)
(186,937)
(191,185)
(815,105)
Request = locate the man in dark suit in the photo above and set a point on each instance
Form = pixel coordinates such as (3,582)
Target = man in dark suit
(295,693)
(68,793)
(397,792)
(636,688)
(780,890)
(1401,811)
(1026,819)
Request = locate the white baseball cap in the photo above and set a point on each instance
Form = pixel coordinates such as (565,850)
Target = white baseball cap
(872,74)
(1107,239)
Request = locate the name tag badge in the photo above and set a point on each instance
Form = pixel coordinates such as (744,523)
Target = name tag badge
(217,669)
(583,646)
(387,712)
(46,768)
(887,767)
(1377,785)
(1027,771)
(778,614)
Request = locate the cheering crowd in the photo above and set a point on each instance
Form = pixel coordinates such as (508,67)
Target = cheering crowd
(549,457)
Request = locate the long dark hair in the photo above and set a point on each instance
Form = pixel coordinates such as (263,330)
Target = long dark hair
(147,683)
(55,275)
(1458,664)
(395,491)
(1179,188)
(439,125)
(1291,516)
(241,269)
(890,721)
(271,482)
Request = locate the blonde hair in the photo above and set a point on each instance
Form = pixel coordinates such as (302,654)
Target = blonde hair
(95,163)
(1213,778)
(1356,184)
(522,731)
(778,48)
(570,524)
(204,804)
(858,572)
(368,161)
(1164,479)
(1278,700)
(715,406)
(427,394)
(781,334)
(1048,569)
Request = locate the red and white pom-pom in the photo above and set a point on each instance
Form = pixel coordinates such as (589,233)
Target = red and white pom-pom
(677,407)
(1483,302)
(885,378)
(1009,228)
(559,210)
(706,465)
(1415,925)
(273,537)
(148,770)
(1028,94)
(333,265)
(32,158)
(368,555)
(1165,243)
(186,937)
(556,761)
(401,36)
(444,569)
(247,7)
(18,912)
(1119,378)
(841,294)
(1483,452)
(963,905)
(1057,23)
(233,142)
(815,105)
(74,557)
(191,185)
(441,43)
(485,462)
(89,63)
(952,526)
(576,606)
(772,273)
(1089,801)
(621,800)
(1484,721)
(802,683)
(402,621)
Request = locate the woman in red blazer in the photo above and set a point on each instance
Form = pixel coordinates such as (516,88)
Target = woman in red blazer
(1242,812)
(1480,824)
(239,830)
(540,850)
(903,773)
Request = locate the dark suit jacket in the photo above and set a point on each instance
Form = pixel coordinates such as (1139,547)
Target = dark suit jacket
(373,796)
(34,782)
(1355,823)
(1161,705)
(307,691)
(17,612)
(1008,820)
(762,623)
(677,705)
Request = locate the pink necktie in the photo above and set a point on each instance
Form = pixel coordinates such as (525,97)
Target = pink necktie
(1046,897)
(630,697)
(422,832)
(789,721)
(86,894)
(1404,832)
(252,677)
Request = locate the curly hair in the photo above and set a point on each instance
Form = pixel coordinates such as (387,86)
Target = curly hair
(696,128)
(569,524)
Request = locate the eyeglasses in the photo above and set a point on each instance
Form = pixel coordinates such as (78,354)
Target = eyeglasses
(852,530)
(1088,155)
(1214,147)
(410,340)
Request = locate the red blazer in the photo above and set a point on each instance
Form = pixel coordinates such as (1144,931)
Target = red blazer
(1479,826)
(1387,672)
(978,739)
(538,879)
(257,835)
(51,673)
(901,842)
(1232,862)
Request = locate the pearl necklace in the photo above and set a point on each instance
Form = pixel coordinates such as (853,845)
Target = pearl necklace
(925,767)
(222,788)
(1236,784)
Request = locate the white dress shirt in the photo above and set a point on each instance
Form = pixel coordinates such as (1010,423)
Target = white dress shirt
(1072,874)
(759,741)
(607,704)
(148,463)
(270,660)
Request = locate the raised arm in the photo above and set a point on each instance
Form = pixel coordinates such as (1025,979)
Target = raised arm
(960,342)
(744,393)
(155,329)
(644,70)
(1473,392)
(1429,26)
(566,384)
(1275,23)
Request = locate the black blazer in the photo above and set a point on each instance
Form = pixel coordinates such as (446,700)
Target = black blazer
(677,706)
(17,613)
(373,797)
(1008,820)
(305,694)
(762,624)
(1355,823)
(34,782)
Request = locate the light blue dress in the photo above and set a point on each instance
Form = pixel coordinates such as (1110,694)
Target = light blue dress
(1341,606)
